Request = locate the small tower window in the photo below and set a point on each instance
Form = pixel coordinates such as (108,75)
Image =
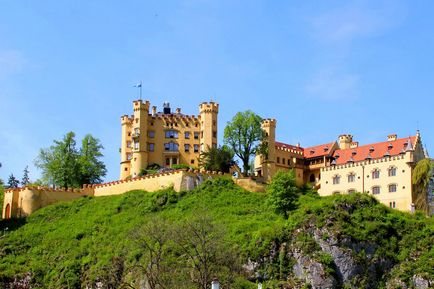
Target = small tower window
(196,135)
(187,135)
(196,148)
(186,148)
(151,147)
(214,134)
(151,134)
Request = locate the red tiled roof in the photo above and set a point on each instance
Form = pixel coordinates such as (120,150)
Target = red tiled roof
(288,146)
(374,151)
(318,151)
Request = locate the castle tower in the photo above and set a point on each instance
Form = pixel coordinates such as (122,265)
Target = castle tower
(208,126)
(268,161)
(139,131)
(345,141)
(125,149)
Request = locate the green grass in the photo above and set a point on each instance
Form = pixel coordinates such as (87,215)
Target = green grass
(68,244)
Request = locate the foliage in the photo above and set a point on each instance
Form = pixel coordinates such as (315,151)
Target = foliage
(421,177)
(242,134)
(25,180)
(13,182)
(283,192)
(116,240)
(217,159)
(64,166)
(180,166)
(91,168)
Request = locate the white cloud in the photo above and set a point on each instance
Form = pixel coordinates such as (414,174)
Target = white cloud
(346,23)
(11,61)
(329,84)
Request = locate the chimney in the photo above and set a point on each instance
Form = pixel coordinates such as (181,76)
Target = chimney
(166,108)
(391,137)
(215,284)
(178,110)
(154,110)
(298,144)
(354,144)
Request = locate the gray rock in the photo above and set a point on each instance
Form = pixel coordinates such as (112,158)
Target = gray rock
(421,283)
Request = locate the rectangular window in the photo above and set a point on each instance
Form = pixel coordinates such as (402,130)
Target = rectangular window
(336,180)
(392,188)
(186,148)
(192,162)
(351,178)
(376,190)
(129,156)
(283,161)
(278,160)
(214,134)
(128,144)
(174,161)
(376,174)
(136,145)
(196,148)
(392,172)
(171,134)
(151,134)
(167,162)
(151,147)
(392,205)
(187,135)
(196,135)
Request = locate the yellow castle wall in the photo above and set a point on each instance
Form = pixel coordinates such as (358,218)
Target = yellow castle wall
(147,129)
(364,181)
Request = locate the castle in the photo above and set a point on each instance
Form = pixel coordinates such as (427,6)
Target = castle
(382,169)
(169,138)
(165,138)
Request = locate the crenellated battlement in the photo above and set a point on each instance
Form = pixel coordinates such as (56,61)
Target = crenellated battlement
(208,107)
(269,122)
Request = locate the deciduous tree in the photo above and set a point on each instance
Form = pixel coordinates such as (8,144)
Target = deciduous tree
(422,174)
(283,192)
(217,159)
(243,134)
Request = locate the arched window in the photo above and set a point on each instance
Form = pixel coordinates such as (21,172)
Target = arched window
(392,171)
(171,147)
(336,180)
(375,174)
(8,211)
(351,178)
(351,191)
(312,178)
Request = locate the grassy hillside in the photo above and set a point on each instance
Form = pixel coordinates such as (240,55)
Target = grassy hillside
(70,245)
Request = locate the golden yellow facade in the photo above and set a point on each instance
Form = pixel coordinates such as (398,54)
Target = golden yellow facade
(383,169)
(165,138)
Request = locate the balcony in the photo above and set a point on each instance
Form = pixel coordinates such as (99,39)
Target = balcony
(136,135)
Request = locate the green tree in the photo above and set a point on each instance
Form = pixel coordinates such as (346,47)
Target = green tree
(243,134)
(63,165)
(283,192)
(422,175)
(92,169)
(13,182)
(217,159)
(25,180)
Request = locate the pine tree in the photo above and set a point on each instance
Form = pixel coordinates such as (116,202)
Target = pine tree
(13,182)
(25,180)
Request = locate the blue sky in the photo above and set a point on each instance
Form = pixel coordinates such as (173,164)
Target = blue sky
(321,68)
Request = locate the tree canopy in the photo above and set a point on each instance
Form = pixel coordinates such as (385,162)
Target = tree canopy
(243,134)
(217,159)
(64,166)
(13,182)
(422,174)
(283,192)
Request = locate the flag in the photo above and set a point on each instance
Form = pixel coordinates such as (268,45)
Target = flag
(138,85)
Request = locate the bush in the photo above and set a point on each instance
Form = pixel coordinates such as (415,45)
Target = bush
(283,192)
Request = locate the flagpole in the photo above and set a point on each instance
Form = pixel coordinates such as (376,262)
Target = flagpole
(140,90)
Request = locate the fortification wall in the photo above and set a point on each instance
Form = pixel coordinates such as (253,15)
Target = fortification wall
(22,202)
(179,179)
